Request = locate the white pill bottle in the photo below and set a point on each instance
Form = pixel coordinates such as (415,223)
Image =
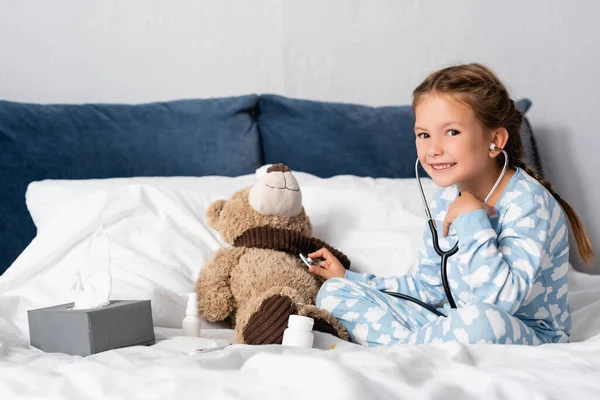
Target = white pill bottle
(299,332)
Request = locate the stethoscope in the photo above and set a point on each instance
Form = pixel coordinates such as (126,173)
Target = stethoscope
(436,245)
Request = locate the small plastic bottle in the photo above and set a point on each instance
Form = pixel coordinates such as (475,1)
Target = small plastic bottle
(191,322)
(299,332)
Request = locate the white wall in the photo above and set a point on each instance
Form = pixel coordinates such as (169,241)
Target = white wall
(365,51)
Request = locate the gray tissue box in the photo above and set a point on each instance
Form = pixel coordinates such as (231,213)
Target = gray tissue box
(122,323)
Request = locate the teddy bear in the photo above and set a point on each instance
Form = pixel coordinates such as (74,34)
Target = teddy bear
(259,281)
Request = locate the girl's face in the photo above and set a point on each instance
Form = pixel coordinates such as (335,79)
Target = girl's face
(451,143)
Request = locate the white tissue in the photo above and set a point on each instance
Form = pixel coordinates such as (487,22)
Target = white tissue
(93,283)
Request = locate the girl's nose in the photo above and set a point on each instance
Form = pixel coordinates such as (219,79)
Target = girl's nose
(434,149)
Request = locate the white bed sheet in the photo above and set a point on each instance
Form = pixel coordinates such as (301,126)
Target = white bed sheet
(347,371)
(160,242)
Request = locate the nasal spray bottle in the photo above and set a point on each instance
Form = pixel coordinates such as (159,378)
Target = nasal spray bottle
(191,322)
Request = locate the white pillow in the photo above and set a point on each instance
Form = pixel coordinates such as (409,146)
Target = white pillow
(380,222)
(46,198)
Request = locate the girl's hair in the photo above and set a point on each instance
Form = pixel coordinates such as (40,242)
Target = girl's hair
(478,87)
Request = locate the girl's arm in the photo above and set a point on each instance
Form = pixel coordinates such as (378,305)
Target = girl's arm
(501,270)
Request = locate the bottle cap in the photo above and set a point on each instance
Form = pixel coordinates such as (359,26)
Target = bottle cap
(192,304)
(300,322)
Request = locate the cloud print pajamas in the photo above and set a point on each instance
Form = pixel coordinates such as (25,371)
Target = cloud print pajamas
(508,279)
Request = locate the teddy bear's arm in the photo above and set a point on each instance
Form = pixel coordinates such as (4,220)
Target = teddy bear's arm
(215,300)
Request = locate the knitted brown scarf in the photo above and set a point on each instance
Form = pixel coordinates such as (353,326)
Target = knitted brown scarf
(286,240)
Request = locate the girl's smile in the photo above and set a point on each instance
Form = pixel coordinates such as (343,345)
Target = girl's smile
(442,167)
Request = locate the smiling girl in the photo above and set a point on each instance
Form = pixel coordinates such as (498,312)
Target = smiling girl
(509,277)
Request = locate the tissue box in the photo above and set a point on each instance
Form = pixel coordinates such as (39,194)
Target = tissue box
(60,329)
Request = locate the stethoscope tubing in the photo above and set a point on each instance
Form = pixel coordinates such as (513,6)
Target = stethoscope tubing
(436,245)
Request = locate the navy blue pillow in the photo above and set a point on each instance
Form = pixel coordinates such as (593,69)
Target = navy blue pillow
(531,157)
(327,139)
(178,138)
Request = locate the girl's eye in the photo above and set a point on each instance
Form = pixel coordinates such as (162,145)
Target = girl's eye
(452,132)
(422,135)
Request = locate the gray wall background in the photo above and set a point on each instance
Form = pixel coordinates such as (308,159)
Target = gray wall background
(364,51)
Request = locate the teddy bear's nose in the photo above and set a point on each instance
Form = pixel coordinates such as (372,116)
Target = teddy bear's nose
(277,193)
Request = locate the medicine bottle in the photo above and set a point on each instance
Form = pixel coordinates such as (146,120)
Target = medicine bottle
(299,332)
(191,323)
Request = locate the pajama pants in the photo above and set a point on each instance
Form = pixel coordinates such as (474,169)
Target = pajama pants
(374,318)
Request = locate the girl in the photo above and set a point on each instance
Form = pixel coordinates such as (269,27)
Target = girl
(509,277)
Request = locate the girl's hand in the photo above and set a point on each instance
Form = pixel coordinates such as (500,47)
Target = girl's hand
(329,268)
(463,204)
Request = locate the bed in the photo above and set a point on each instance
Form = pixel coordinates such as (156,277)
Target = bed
(144,175)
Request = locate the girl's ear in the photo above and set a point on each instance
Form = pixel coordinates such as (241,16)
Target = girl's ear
(213,213)
(499,137)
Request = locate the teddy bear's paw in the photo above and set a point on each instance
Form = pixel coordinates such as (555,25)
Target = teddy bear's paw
(267,324)
(324,321)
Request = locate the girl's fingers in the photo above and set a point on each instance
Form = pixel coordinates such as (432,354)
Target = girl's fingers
(446,226)
(322,252)
(328,267)
(316,270)
(448,221)
(318,253)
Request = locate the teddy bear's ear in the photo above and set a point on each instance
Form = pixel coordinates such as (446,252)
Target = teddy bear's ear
(213,213)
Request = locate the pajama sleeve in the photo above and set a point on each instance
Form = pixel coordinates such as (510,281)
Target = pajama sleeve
(501,269)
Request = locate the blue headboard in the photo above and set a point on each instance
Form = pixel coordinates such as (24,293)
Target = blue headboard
(226,136)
